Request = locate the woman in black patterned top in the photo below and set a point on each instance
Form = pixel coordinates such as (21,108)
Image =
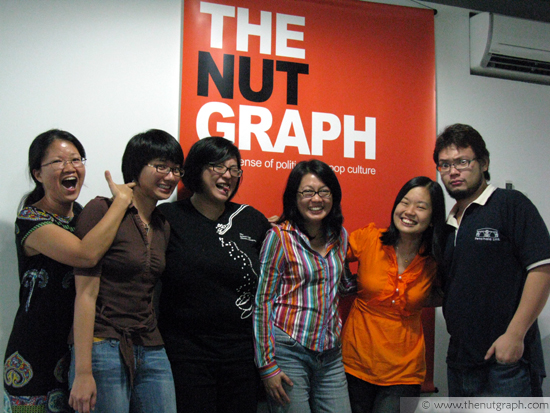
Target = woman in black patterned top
(36,360)
(208,286)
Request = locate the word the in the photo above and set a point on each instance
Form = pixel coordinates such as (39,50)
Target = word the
(262,30)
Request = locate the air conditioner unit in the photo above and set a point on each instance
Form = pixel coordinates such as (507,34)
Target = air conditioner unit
(510,48)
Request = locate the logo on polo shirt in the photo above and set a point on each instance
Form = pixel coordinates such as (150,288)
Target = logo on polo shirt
(487,234)
(246,237)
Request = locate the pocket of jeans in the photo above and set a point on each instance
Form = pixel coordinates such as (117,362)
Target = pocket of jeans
(520,363)
(501,364)
(282,338)
(513,371)
(106,356)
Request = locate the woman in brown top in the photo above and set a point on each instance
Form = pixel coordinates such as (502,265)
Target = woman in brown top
(118,361)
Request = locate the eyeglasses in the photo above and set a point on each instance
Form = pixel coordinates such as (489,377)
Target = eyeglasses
(310,193)
(459,165)
(221,169)
(165,169)
(58,164)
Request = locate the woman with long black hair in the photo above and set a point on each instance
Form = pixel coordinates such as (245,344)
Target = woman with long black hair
(382,341)
(296,320)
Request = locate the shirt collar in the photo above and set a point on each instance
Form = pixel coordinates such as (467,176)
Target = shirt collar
(288,226)
(480,200)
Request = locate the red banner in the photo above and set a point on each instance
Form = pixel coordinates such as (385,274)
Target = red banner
(348,82)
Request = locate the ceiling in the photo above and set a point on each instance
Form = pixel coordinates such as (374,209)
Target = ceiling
(526,9)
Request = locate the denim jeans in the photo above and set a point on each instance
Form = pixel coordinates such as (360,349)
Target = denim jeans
(153,389)
(496,380)
(366,397)
(319,379)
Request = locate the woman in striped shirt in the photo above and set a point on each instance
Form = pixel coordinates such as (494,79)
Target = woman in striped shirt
(296,321)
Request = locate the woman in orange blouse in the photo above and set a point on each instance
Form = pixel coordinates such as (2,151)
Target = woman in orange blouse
(383,342)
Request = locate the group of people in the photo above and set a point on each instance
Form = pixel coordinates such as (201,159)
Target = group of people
(245,300)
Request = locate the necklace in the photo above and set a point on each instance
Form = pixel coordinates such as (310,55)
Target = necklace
(407,259)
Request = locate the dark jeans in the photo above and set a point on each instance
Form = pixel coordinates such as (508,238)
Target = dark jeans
(496,380)
(366,397)
(224,387)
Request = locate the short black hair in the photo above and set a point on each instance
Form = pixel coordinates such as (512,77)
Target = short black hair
(462,136)
(146,146)
(37,152)
(213,149)
(432,238)
(332,223)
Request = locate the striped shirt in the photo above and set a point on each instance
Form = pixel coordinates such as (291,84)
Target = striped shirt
(298,293)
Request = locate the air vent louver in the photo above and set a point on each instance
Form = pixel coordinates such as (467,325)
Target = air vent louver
(510,48)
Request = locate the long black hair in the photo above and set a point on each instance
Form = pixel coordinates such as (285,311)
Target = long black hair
(431,242)
(332,223)
(37,152)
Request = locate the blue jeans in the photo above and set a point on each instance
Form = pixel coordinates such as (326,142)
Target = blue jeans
(491,380)
(153,389)
(319,379)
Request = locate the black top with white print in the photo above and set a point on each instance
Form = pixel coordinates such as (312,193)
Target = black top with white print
(210,281)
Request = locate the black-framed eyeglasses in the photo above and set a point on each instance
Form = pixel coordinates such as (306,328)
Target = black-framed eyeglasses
(459,165)
(310,193)
(165,169)
(220,168)
(58,164)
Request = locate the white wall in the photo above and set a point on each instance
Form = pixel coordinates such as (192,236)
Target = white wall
(105,70)
(513,117)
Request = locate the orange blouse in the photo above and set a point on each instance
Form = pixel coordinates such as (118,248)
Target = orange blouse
(382,340)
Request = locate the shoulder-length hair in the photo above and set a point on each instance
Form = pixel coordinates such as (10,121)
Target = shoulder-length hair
(203,153)
(146,146)
(431,243)
(37,152)
(332,223)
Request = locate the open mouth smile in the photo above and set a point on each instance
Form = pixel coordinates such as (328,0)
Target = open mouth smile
(408,222)
(165,187)
(70,182)
(224,187)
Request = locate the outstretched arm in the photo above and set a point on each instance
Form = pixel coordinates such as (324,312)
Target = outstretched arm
(65,247)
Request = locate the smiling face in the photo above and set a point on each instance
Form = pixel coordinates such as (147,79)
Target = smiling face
(155,185)
(413,214)
(314,209)
(217,188)
(61,186)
